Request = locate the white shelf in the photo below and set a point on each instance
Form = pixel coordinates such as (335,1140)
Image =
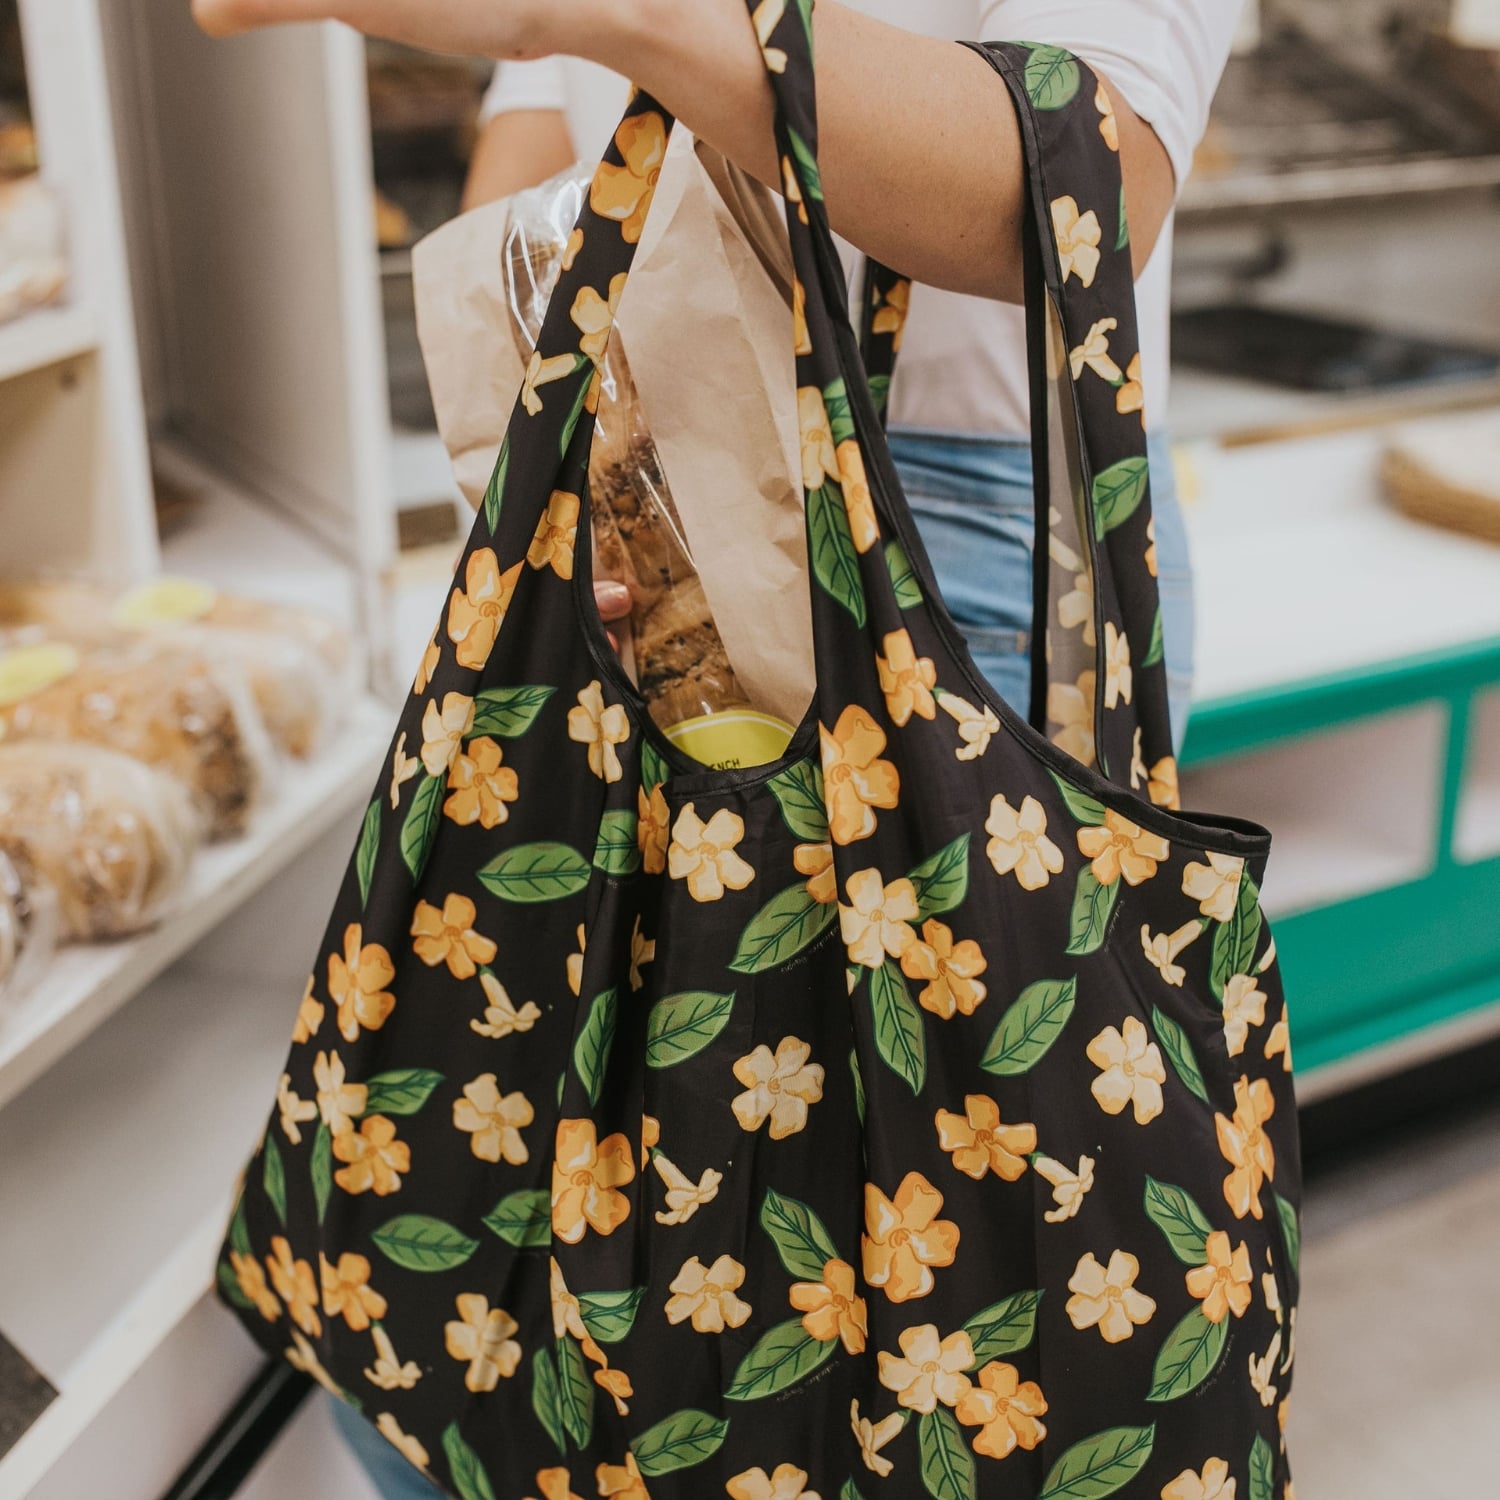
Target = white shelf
(85,984)
(45,337)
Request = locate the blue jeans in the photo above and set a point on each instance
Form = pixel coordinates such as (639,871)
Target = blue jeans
(392,1475)
(971,497)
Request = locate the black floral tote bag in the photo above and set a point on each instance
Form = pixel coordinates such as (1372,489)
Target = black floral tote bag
(910,1117)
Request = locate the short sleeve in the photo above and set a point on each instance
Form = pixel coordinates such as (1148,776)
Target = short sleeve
(1164,56)
(538,84)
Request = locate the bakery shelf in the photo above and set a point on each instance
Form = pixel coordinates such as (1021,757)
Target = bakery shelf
(43,337)
(85,984)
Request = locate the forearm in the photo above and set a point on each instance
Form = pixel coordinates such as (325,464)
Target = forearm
(516,150)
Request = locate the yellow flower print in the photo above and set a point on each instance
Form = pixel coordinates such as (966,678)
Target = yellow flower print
(357,984)
(339,1103)
(653,829)
(552,543)
(375,1158)
(1131,395)
(816,862)
(1214,886)
(1162,787)
(347,1291)
(832,1308)
(295,1110)
(684,1197)
(791,190)
(1119,847)
(1162,948)
(1019,842)
(586,1176)
(448,936)
(617,1384)
(859,504)
(493,1121)
(787,1483)
(1077,237)
(482,1336)
(1224,1282)
(778,1087)
(595,318)
(1104,1297)
(1068,1188)
(979,1143)
(650,1136)
(906,679)
(1150,554)
(707,1295)
(877,920)
(1131,1071)
(571,249)
(431,656)
(480,786)
(295,1285)
(703,854)
(476,612)
(623,193)
(642,951)
(975,725)
(554,1484)
(1118,678)
(1005,1409)
(930,1370)
(766,17)
(1076,608)
(873,1436)
(890,316)
(949,968)
(388,1372)
(1109,127)
(567,1315)
(1244,1007)
(904,1238)
(801,338)
(541,371)
(1279,1043)
(302,1356)
(309,1016)
(621,1481)
(819,459)
(1071,708)
(856,780)
(444,729)
(1262,1369)
(252,1282)
(601,728)
(1093,353)
(575,963)
(406,1445)
(403,768)
(1247,1148)
(1213,1483)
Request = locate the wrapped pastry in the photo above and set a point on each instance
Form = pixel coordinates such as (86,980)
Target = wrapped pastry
(28,924)
(112,838)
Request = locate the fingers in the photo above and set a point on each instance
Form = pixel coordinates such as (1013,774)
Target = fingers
(612,598)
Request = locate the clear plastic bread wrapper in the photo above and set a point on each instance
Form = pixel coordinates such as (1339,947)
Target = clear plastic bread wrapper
(110,837)
(28,925)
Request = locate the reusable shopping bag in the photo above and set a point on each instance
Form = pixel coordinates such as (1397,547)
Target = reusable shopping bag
(909,1117)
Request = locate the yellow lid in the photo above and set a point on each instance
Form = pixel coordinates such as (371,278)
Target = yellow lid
(163,601)
(732,739)
(29,669)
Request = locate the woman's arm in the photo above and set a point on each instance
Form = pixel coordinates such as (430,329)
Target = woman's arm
(920,151)
(516,149)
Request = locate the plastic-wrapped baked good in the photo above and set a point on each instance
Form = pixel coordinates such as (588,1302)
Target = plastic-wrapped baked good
(111,837)
(28,924)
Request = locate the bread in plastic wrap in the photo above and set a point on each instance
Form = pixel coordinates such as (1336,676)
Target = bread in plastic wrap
(28,924)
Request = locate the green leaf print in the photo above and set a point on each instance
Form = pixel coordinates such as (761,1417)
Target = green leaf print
(1118,491)
(1006,1327)
(416,1242)
(1029,1027)
(509,712)
(369,846)
(274,1176)
(575,1392)
(495,489)
(1178,1217)
(806,7)
(903,579)
(1051,77)
(1100,1465)
(610,1316)
(942,880)
(678,1442)
(947,1463)
(546,1398)
(618,852)
(1236,940)
(835,563)
(229,1286)
(1188,1356)
(591,1050)
(575,412)
(782,1356)
(812,182)
(1087,811)
(469,1479)
(899,1037)
(654,769)
(880,392)
(799,793)
(239,1230)
(522,1218)
(858,1079)
(1262,1470)
(1092,905)
(781,929)
(1291,1232)
(836,403)
(403,1091)
(681,1026)
(850,1491)
(530,873)
(321,1169)
(801,1241)
(420,827)
(1122,236)
(1156,648)
(1179,1052)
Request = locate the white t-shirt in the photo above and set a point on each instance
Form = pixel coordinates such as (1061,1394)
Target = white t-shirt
(963,359)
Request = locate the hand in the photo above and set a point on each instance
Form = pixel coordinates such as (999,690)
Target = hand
(614,603)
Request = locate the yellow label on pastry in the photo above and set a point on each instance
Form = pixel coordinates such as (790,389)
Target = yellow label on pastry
(735,738)
(29,669)
(163,601)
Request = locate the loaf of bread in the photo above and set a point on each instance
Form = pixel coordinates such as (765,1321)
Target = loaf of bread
(28,924)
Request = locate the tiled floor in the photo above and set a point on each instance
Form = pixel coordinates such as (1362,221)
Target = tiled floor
(1398,1340)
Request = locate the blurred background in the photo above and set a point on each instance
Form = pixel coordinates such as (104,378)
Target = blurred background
(217,444)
